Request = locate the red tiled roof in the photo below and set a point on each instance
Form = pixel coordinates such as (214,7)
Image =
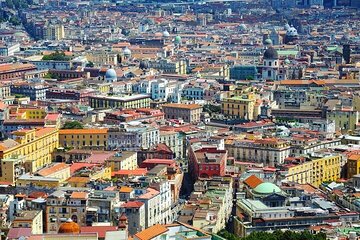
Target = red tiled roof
(15,233)
(135,172)
(132,204)
(159,161)
(77,166)
(253,181)
(100,230)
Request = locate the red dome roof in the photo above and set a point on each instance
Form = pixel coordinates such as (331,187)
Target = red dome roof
(69,227)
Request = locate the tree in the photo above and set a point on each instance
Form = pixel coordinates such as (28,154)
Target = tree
(50,76)
(90,64)
(276,235)
(56,56)
(209,108)
(287,235)
(73,125)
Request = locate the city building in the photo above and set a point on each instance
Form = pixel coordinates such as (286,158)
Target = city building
(133,137)
(133,101)
(241,107)
(188,112)
(90,138)
(29,219)
(29,150)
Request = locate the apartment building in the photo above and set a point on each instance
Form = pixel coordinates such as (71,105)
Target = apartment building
(315,170)
(29,219)
(242,106)
(28,151)
(133,137)
(89,138)
(188,112)
(60,206)
(133,101)
(270,151)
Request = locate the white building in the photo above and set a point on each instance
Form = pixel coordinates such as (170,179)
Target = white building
(9,49)
(133,137)
(160,90)
(174,141)
(267,151)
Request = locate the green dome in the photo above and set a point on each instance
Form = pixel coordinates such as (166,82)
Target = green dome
(268,41)
(266,188)
(177,39)
(287,61)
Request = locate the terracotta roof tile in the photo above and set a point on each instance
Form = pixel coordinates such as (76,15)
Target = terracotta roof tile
(132,204)
(253,181)
(151,232)
(79,195)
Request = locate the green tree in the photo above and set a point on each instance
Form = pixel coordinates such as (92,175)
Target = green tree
(56,56)
(90,64)
(209,108)
(50,76)
(15,20)
(73,125)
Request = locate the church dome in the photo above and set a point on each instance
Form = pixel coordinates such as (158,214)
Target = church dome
(266,188)
(291,32)
(177,40)
(268,41)
(287,61)
(69,227)
(271,53)
(127,51)
(166,34)
(110,74)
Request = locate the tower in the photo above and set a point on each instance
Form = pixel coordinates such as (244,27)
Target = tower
(346,53)
(123,222)
(270,67)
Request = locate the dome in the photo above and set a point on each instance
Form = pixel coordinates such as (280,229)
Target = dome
(177,40)
(266,188)
(166,34)
(268,41)
(291,32)
(69,227)
(287,26)
(110,74)
(287,61)
(271,53)
(127,51)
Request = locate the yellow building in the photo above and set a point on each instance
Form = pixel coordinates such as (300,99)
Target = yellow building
(30,113)
(315,171)
(27,180)
(89,138)
(100,58)
(60,171)
(54,32)
(33,147)
(345,119)
(29,219)
(239,106)
(122,161)
(101,173)
(353,165)
(78,181)
(300,173)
